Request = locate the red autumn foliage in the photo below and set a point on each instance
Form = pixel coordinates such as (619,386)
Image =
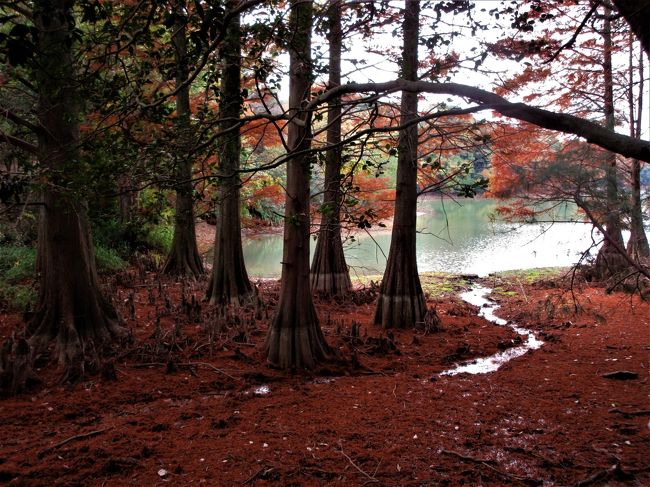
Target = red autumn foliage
(372,198)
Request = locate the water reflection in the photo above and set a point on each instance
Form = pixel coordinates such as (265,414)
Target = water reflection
(453,238)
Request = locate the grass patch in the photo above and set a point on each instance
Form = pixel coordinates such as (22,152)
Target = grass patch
(535,274)
(434,284)
(17,264)
(442,284)
(159,237)
(502,291)
(108,260)
(18,296)
(17,273)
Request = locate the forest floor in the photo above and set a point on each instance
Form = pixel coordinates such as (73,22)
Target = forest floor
(194,402)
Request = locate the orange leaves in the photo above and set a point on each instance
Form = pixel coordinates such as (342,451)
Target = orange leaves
(272,192)
(371,199)
(260,133)
(515,212)
(518,151)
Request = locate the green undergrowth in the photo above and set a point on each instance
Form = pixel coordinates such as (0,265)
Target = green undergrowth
(437,285)
(108,260)
(16,272)
(531,275)
(510,283)
(17,268)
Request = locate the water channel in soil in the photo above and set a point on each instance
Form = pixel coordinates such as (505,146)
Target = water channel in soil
(477,297)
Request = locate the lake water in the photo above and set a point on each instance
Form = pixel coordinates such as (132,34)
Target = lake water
(454,237)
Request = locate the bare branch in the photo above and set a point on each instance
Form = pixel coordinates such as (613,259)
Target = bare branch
(561,122)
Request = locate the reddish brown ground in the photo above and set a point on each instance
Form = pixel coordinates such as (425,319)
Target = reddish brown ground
(547,418)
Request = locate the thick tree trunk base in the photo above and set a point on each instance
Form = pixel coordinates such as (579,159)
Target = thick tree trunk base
(229,283)
(16,372)
(74,339)
(236,291)
(184,258)
(181,263)
(296,345)
(330,284)
(637,246)
(400,311)
(609,263)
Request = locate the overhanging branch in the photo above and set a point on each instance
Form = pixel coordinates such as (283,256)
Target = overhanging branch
(560,122)
(20,143)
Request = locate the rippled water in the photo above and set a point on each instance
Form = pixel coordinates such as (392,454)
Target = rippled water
(453,238)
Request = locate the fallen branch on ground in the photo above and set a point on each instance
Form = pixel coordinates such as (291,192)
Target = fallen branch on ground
(371,478)
(81,436)
(487,463)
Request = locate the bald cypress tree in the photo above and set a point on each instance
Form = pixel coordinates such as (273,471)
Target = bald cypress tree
(71,315)
(229,282)
(401,301)
(295,339)
(329,271)
(183,258)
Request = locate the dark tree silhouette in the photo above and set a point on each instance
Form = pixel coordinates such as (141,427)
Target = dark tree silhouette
(637,14)
(229,282)
(329,271)
(401,302)
(637,245)
(72,314)
(295,339)
(184,258)
(609,261)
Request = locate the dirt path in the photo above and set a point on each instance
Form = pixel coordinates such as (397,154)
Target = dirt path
(547,418)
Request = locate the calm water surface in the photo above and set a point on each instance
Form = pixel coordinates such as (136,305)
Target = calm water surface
(460,238)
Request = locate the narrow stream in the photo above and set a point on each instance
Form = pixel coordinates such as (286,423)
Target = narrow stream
(477,297)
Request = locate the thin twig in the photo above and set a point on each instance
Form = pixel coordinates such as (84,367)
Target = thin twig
(208,365)
(487,463)
(188,364)
(641,412)
(371,479)
(81,436)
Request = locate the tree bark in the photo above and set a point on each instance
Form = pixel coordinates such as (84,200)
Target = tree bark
(72,314)
(401,302)
(637,246)
(608,260)
(592,132)
(229,282)
(637,14)
(295,339)
(184,258)
(329,271)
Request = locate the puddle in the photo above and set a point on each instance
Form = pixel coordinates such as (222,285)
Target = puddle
(492,363)
(322,380)
(262,390)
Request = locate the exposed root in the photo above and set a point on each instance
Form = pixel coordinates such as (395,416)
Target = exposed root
(16,372)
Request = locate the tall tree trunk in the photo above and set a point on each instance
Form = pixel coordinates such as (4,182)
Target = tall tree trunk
(126,199)
(401,302)
(72,314)
(329,271)
(637,14)
(609,261)
(637,246)
(184,258)
(229,281)
(295,339)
